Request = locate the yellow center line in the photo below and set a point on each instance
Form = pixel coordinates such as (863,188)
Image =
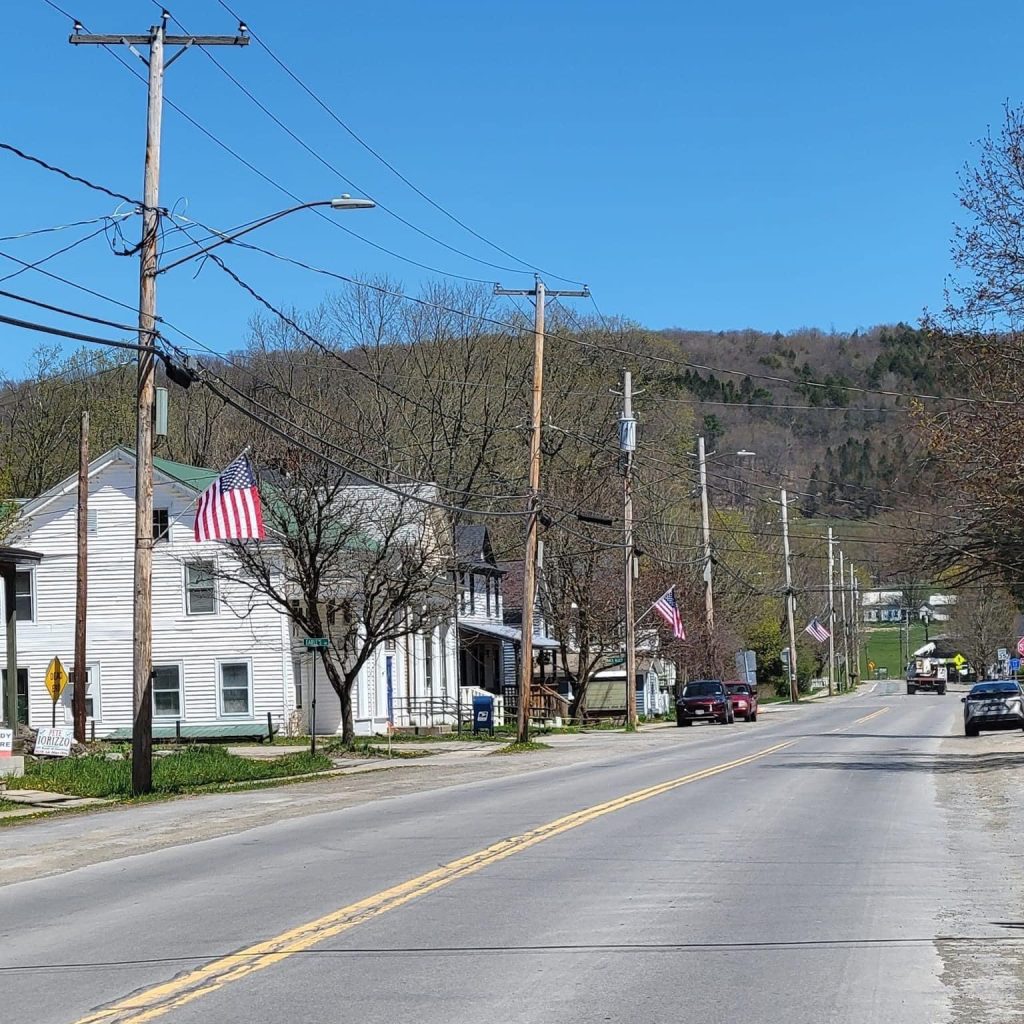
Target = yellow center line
(860,721)
(159,999)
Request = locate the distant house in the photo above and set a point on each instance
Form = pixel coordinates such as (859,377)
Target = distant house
(938,608)
(490,634)
(882,606)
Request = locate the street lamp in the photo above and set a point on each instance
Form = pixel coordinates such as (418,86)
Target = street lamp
(343,202)
(705,518)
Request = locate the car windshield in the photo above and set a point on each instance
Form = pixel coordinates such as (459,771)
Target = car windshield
(995,690)
(738,688)
(705,688)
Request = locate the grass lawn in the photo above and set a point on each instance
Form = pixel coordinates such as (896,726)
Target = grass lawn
(180,772)
(882,646)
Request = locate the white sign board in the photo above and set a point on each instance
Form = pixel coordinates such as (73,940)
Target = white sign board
(54,742)
(6,742)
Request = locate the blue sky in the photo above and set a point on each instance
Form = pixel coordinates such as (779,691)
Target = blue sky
(715,165)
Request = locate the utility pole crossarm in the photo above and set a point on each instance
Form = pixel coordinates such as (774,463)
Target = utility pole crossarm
(114,40)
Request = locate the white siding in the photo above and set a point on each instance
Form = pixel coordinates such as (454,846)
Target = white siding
(245,627)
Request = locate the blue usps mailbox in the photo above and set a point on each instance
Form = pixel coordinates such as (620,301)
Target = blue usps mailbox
(483,713)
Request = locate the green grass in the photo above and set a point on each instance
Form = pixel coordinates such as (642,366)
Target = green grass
(882,646)
(9,805)
(181,772)
(522,748)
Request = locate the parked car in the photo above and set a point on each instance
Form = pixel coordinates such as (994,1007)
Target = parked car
(744,701)
(993,705)
(704,700)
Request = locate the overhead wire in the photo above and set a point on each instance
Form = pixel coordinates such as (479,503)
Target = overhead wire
(386,163)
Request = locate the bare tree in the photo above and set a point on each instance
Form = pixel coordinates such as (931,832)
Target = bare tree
(351,562)
(982,621)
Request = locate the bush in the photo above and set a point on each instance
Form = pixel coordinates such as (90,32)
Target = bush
(184,770)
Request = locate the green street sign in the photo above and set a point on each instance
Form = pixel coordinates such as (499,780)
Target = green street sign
(316,641)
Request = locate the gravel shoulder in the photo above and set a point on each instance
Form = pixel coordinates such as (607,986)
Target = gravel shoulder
(978,785)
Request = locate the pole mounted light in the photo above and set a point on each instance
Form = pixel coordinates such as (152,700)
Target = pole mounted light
(342,202)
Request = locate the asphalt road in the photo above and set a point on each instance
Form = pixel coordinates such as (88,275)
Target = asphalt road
(830,863)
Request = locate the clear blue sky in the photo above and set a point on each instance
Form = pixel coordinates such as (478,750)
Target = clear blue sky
(716,165)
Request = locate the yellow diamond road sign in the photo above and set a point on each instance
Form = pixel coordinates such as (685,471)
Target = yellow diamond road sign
(872,666)
(959,660)
(56,679)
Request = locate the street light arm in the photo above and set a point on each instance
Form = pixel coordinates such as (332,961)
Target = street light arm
(343,203)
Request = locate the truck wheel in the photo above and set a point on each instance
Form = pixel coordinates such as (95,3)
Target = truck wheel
(970,730)
(942,692)
(911,690)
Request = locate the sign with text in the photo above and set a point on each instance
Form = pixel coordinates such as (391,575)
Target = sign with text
(316,642)
(56,679)
(1020,646)
(6,742)
(54,742)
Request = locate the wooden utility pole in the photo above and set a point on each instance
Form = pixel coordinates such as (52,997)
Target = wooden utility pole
(846,624)
(539,294)
(81,683)
(831,616)
(855,674)
(142,620)
(794,692)
(705,521)
(627,446)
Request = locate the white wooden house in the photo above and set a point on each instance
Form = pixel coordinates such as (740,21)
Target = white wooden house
(223,655)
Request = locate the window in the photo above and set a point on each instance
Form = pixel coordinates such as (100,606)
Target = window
(167,691)
(487,590)
(22,693)
(472,593)
(297,677)
(428,660)
(161,525)
(234,688)
(92,692)
(24,596)
(200,591)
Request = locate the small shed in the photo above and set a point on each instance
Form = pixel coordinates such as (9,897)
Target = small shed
(11,559)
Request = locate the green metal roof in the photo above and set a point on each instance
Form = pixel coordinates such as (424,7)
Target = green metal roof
(191,476)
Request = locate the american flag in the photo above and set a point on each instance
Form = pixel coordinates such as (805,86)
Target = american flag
(667,608)
(817,630)
(230,508)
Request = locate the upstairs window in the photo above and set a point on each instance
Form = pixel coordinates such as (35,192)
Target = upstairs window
(200,589)
(161,525)
(24,595)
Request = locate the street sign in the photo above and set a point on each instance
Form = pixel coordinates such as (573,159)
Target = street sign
(6,742)
(1020,646)
(56,679)
(872,666)
(1015,664)
(959,660)
(54,742)
(316,642)
(1002,654)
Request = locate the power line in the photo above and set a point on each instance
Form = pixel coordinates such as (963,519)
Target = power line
(46,259)
(64,227)
(67,174)
(391,167)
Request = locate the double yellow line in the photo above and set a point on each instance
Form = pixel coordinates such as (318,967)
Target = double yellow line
(159,999)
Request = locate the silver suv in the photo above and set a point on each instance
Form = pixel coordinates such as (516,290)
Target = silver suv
(993,705)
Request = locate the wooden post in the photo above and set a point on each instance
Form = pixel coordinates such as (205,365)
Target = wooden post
(11,617)
(794,691)
(79,692)
(627,443)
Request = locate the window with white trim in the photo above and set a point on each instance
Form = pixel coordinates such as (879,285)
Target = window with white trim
(297,677)
(24,595)
(235,688)
(161,525)
(92,692)
(167,691)
(200,589)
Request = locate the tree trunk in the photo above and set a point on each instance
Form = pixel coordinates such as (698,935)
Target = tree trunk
(342,686)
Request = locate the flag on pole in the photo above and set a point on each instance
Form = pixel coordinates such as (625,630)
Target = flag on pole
(667,608)
(230,508)
(817,630)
